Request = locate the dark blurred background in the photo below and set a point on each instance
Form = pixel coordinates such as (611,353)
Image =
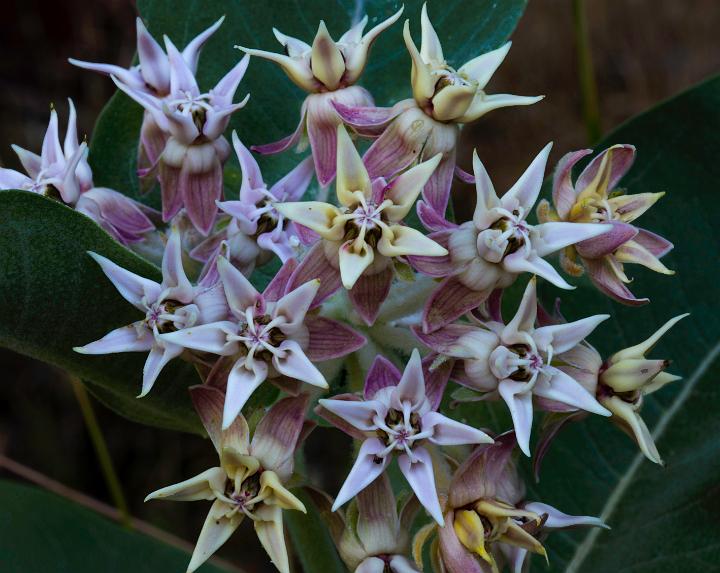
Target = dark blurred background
(643,51)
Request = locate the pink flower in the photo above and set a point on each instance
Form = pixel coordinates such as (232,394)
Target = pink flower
(498,245)
(398,415)
(251,480)
(62,172)
(428,124)
(169,305)
(191,162)
(151,76)
(594,198)
(326,70)
(516,361)
(360,239)
(256,230)
(270,335)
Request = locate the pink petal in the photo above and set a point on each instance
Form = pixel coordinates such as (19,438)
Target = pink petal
(359,414)
(443,340)
(200,193)
(411,387)
(382,374)
(286,142)
(432,219)
(436,379)
(563,190)
(240,292)
(392,152)
(322,133)
(133,288)
(157,359)
(295,364)
(551,237)
(435,266)
(656,244)
(131,338)
(295,304)
(51,149)
(366,469)
(11,179)
(172,198)
(521,409)
(420,477)
(182,78)
(316,266)
(556,519)
(607,282)
(367,121)
(436,192)
(338,421)
(292,187)
(455,557)
(119,211)
(277,287)
(209,403)
(191,53)
(307,236)
(224,91)
(464,176)
(450,301)
(240,386)
(369,292)
(154,66)
(622,159)
(251,175)
(331,339)
(277,434)
(449,432)
(606,243)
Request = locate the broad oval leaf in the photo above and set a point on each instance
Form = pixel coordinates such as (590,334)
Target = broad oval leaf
(40,531)
(54,297)
(663,519)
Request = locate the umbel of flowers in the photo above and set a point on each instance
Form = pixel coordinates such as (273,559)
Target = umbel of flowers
(336,263)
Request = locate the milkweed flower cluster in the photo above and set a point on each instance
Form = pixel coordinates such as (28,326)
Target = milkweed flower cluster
(354,282)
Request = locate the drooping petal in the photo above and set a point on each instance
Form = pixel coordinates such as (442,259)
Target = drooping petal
(292,362)
(133,288)
(434,266)
(607,243)
(242,382)
(369,292)
(209,403)
(201,186)
(331,339)
(450,301)
(286,142)
(455,557)
(240,293)
(359,414)
(656,244)
(293,186)
(519,402)
(277,287)
(134,337)
(322,130)
(382,374)
(607,281)
(563,337)
(436,192)
(202,486)
(436,378)
(277,434)
(449,432)
(316,266)
(621,158)
(367,467)
(517,263)
(628,417)
(269,529)
(157,359)
(525,191)
(216,530)
(554,384)
(366,120)
(563,191)
(421,478)
(377,520)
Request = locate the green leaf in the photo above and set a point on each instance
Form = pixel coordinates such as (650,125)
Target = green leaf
(311,538)
(40,531)
(467,30)
(662,519)
(54,297)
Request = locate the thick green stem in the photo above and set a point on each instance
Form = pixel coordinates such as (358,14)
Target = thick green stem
(586,73)
(102,452)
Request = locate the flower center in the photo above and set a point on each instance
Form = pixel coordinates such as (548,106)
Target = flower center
(505,236)
(244,496)
(518,362)
(366,222)
(161,316)
(399,429)
(261,335)
(196,106)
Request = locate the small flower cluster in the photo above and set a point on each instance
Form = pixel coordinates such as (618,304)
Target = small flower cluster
(355,253)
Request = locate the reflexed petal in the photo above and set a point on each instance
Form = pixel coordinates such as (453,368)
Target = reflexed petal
(133,288)
(517,263)
(656,244)
(421,478)
(322,130)
(277,287)
(483,104)
(632,252)
(377,519)
(202,486)
(353,264)
(621,158)
(315,215)
(606,243)
(455,557)
(351,173)
(519,403)
(295,304)
(550,237)
(563,337)
(216,530)
(640,350)
(411,387)
(563,190)
(482,68)
(201,191)
(212,337)
(405,188)
(331,339)
(554,384)
(269,529)
(436,194)
(606,280)
(365,470)
(402,241)
(277,434)
(449,432)
(316,266)
(286,142)
(134,337)
(326,59)
(358,413)
(292,362)
(241,383)
(382,374)
(209,403)
(525,191)
(630,419)
(240,293)
(556,519)
(369,292)
(450,301)
(157,359)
